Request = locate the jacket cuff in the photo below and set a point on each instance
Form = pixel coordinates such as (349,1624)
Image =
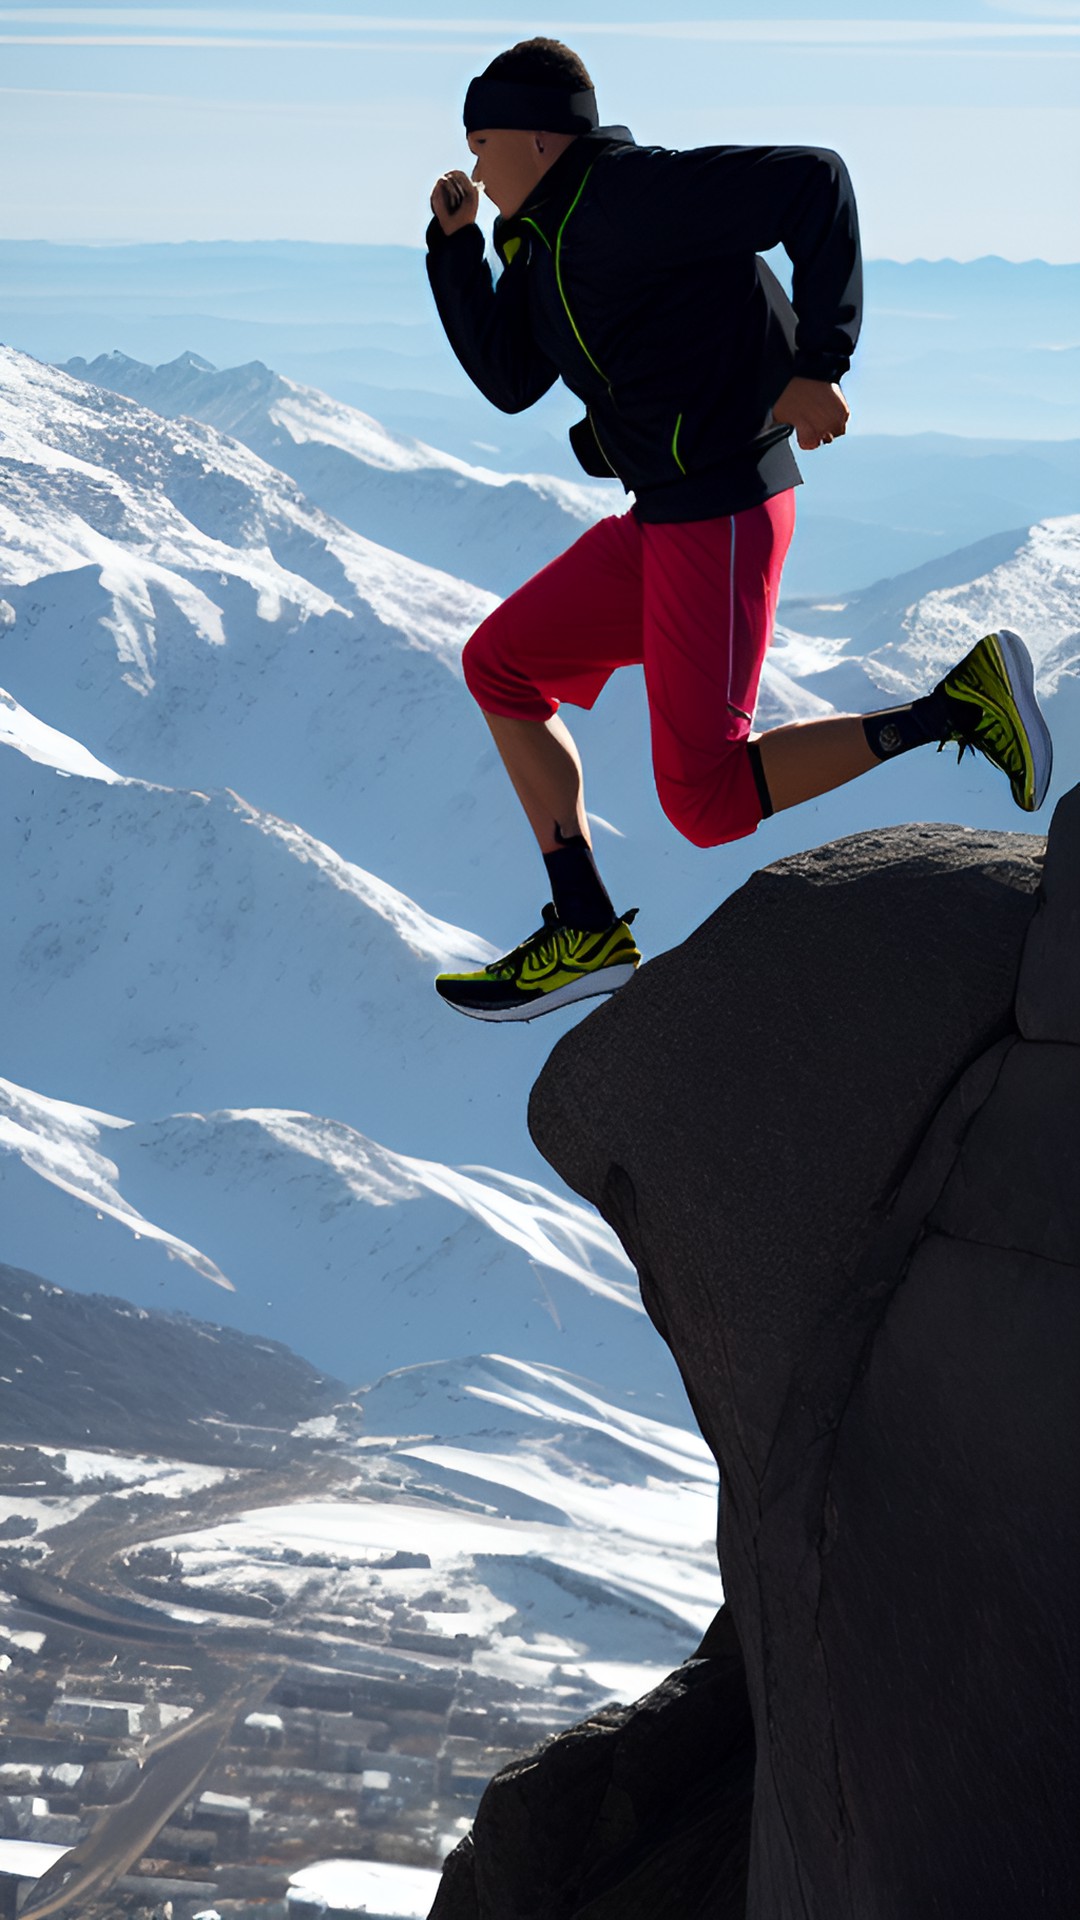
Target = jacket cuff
(820,366)
(438,241)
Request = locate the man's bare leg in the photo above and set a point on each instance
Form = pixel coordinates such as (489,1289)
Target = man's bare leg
(799,761)
(545,771)
(813,756)
(583,948)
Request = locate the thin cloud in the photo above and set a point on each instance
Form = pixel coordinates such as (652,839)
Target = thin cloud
(839,32)
(253,42)
(318,111)
(278,30)
(235,20)
(1039,9)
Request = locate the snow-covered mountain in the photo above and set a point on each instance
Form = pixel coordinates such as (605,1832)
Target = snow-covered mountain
(916,624)
(491,527)
(307,1232)
(246,810)
(175,604)
(249,809)
(171,946)
(178,608)
(228,958)
(896,639)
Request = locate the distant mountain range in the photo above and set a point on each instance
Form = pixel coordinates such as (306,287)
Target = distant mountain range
(986,348)
(876,506)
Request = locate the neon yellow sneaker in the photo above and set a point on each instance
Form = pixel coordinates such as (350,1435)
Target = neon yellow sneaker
(991,696)
(553,967)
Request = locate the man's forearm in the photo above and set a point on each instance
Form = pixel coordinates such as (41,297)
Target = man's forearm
(487,326)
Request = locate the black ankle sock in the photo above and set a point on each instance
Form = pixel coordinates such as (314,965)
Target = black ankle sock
(580,896)
(924,723)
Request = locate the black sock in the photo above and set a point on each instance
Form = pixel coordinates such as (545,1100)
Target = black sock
(924,723)
(580,896)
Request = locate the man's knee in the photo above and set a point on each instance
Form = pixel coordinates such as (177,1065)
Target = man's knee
(720,807)
(497,680)
(702,826)
(478,662)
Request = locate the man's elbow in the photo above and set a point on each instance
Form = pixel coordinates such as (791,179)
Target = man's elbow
(837,169)
(517,403)
(512,397)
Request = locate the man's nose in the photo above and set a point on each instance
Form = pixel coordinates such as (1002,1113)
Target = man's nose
(475,174)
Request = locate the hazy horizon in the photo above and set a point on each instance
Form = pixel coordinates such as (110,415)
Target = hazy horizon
(149,122)
(104,242)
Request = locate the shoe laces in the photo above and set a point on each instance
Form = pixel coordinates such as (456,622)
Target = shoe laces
(544,935)
(988,730)
(545,938)
(963,742)
(982,726)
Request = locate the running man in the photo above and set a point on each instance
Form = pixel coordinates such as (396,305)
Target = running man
(633,275)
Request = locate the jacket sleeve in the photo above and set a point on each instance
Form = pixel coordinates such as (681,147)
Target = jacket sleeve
(486,321)
(734,199)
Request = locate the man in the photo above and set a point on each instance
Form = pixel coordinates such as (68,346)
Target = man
(633,274)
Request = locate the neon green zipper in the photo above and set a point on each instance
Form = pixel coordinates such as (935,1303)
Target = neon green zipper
(599,442)
(562,289)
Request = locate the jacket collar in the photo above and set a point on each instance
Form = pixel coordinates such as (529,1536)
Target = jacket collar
(553,194)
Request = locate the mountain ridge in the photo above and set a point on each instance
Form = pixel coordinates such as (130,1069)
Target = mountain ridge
(392,488)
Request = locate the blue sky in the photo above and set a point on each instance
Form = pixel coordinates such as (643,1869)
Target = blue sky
(162,122)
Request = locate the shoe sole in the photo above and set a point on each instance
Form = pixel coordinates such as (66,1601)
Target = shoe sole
(608,980)
(1020,673)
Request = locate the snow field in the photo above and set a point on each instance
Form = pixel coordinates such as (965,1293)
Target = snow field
(570,1536)
(365,1886)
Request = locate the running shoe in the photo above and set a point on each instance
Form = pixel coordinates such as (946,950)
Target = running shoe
(991,696)
(553,967)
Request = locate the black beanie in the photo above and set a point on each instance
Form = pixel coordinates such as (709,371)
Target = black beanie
(512,103)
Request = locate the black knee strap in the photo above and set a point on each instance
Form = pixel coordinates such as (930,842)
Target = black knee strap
(760,782)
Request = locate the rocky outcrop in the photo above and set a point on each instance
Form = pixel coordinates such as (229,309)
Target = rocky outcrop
(838,1131)
(641,1810)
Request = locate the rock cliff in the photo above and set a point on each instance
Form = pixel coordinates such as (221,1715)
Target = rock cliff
(838,1132)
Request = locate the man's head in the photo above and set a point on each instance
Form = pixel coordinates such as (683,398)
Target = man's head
(522,112)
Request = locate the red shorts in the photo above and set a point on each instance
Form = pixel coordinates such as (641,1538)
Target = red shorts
(693,602)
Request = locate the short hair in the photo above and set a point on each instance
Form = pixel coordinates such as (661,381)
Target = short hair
(540,63)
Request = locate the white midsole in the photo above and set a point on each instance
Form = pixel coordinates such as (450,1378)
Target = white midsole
(1022,681)
(607,980)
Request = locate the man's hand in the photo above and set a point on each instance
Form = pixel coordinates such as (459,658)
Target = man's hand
(455,201)
(817,411)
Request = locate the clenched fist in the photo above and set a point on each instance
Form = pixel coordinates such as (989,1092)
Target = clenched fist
(815,408)
(455,201)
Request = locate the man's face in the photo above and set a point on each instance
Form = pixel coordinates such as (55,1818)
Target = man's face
(509,163)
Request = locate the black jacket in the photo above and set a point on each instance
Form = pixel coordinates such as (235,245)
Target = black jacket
(632,273)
